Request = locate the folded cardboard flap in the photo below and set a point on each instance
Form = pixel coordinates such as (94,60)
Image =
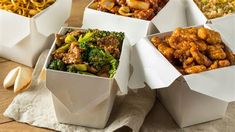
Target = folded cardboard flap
(153,65)
(76,91)
(134,28)
(123,71)
(81,92)
(46,25)
(193,14)
(14,28)
(171,16)
(158,73)
(225,26)
(19,27)
(110,22)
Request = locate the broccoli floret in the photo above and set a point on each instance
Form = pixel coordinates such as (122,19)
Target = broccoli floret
(89,36)
(69,39)
(62,49)
(119,35)
(57,65)
(99,58)
(114,65)
(77,67)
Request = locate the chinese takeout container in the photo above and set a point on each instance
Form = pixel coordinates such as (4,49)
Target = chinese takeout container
(190,99)
(195,16)
(226,26)
(22,39)
(86,100)
(172,15)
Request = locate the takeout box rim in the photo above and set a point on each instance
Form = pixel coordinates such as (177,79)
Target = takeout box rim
(176,74)
(36,15)
(208,19)
(32,26)
(147,39)
(121,16)
(63,29)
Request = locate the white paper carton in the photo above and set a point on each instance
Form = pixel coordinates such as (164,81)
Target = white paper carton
(215,87)
(77,95)
(22,39)
(226,26)
(170,17)
(194,15)
(188,107)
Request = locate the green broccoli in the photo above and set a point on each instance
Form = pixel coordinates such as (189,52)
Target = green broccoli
(69,39)
(57,65)
(99,58)
(86,38)
(119,35)
(78,67)
(62,49)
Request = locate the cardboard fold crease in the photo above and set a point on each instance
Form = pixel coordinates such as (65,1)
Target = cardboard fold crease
(82,93)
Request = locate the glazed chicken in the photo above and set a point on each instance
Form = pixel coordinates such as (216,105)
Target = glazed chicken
(141,9)
(194,50)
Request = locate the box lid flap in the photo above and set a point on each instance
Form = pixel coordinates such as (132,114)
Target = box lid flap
(82,95)
(14,28)
(54,17)
(111,22)
(123,73)
(218,83)
(171,16)
(155,67)
(225,25)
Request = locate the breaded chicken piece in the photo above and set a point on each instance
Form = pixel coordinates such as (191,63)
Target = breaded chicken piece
(195,69)
(199,57)
(166,51)
(211,37)
(216,53)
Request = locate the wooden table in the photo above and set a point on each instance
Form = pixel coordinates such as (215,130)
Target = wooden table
(163,123)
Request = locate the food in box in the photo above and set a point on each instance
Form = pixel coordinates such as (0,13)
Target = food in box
(34,34)
(194,50)
(84,68)
(135,28)
(90,52)
(216,8)
(181,89)
(130,8)
(25,8)
(203,11)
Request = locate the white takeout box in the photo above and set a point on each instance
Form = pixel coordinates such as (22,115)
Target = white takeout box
(82,99)
(226,26)
(171,16)
(195,16)
(190,99)
(22,39)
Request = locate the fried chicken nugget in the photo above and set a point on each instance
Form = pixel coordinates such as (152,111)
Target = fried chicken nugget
(195,69)
(166,51)
(211,37)
(214,65)
(199,57)
(216,53)
(156,41)
(224,63)
(230,57)
(202,46)
(188,62)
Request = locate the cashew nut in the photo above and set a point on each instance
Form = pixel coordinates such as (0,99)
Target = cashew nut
(125,11)
(137,4)
(107,4)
